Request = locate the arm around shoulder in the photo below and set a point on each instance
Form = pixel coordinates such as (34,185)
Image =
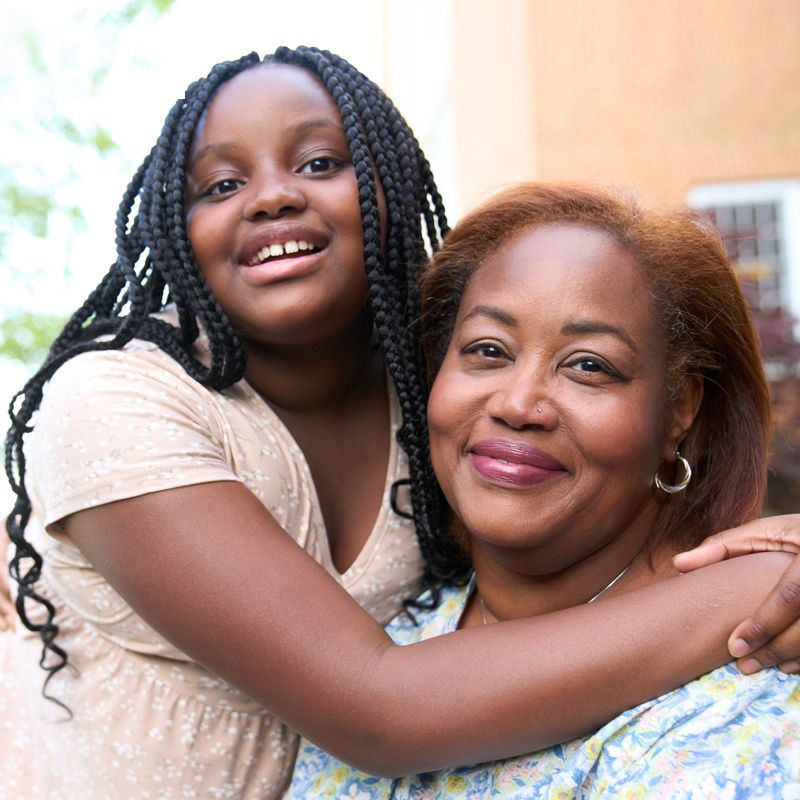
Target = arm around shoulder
(212,571)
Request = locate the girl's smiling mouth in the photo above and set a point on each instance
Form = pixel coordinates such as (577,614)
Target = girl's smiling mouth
(280,250)
(281,253)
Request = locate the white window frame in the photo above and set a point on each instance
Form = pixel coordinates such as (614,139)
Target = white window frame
(785,193)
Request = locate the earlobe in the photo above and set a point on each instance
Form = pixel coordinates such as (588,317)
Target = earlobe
(684,412)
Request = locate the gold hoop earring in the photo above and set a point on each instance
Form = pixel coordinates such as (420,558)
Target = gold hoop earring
(674,488)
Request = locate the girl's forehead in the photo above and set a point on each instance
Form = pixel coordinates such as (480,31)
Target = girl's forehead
(275,85)
(267,96)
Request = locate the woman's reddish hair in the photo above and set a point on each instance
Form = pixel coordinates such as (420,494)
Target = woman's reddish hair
(705,320)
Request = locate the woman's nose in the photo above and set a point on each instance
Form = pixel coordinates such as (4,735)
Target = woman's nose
(520,401)
(272,196)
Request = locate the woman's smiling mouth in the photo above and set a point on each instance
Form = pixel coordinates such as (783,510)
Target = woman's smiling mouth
(514,463)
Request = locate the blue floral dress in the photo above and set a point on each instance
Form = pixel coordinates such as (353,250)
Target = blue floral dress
(723,736)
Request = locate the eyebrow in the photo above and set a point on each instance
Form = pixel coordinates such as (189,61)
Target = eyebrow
(576,328)
(592,326)
(315,122)
(302,127)
(210,149)
(493,313)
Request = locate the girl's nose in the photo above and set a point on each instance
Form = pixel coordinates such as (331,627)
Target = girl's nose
(521,402)
(272,197)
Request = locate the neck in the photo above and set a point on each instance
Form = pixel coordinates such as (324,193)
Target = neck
(319,377)
(506,592)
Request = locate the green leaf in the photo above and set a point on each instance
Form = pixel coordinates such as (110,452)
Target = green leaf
(68,129)
(35,57)
(27,206)
(103,141)
(162,6)
(99,75)
(76,217)
(26,336)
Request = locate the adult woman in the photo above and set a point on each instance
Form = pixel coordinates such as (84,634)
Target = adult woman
(239,375)
(599,403)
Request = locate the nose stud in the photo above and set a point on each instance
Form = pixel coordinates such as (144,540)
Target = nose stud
(538,410)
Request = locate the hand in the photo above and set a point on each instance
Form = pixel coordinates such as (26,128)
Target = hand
(771,635)
(8,613)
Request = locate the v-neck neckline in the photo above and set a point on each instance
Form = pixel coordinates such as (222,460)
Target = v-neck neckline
(369,548)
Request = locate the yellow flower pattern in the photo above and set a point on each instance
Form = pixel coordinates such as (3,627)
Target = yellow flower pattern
(724,736)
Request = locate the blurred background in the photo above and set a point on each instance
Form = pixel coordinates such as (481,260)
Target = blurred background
(689,102)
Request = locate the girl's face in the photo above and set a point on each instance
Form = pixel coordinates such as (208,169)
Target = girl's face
(548,418)
(273,211)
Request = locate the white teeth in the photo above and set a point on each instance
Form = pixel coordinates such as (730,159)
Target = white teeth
(276,250)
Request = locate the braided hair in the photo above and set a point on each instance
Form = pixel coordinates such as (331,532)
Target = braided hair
(155,266)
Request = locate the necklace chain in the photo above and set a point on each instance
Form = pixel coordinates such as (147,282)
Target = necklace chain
(481,602)
(613,581)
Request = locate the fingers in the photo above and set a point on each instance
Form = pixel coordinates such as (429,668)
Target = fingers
(772,634)
(774,653)
(765,534)
(710,551)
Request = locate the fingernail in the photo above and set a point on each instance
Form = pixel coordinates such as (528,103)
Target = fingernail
(739,648)
(749,666)
(790,666)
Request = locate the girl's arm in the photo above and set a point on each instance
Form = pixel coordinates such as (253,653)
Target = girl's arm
(212,571)
(767,636)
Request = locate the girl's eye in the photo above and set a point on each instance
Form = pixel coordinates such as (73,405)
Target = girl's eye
(225,186)
(318,165)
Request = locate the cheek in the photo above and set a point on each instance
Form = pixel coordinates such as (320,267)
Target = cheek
(437,419)
(453,407)
(628,442)
(200,232)
(443,418)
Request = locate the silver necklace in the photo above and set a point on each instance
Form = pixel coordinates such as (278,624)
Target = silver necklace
(608,586)
(485,621)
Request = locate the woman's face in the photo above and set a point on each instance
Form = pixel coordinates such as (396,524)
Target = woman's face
(548,418)
(273,210)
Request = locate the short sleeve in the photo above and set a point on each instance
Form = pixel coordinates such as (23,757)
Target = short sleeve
(120,424)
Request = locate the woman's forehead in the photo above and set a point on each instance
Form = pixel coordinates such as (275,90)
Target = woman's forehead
(567,270)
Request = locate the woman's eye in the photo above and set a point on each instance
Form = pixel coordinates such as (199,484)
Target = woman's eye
(225,186)
(484,350)
(317,165)
(593,366)
(590,365)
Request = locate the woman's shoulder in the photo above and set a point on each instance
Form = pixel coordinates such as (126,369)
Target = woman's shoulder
(723,727)
(425,618)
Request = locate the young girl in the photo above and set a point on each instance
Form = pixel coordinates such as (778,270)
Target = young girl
(563,386)
(243,372)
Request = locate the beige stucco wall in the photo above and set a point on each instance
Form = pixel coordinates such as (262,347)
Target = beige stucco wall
(493,95)
(660,96)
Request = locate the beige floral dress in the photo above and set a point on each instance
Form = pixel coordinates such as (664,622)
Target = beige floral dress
(148,721)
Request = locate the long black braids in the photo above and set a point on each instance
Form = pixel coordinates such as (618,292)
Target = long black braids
(155,266)
(381,142)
